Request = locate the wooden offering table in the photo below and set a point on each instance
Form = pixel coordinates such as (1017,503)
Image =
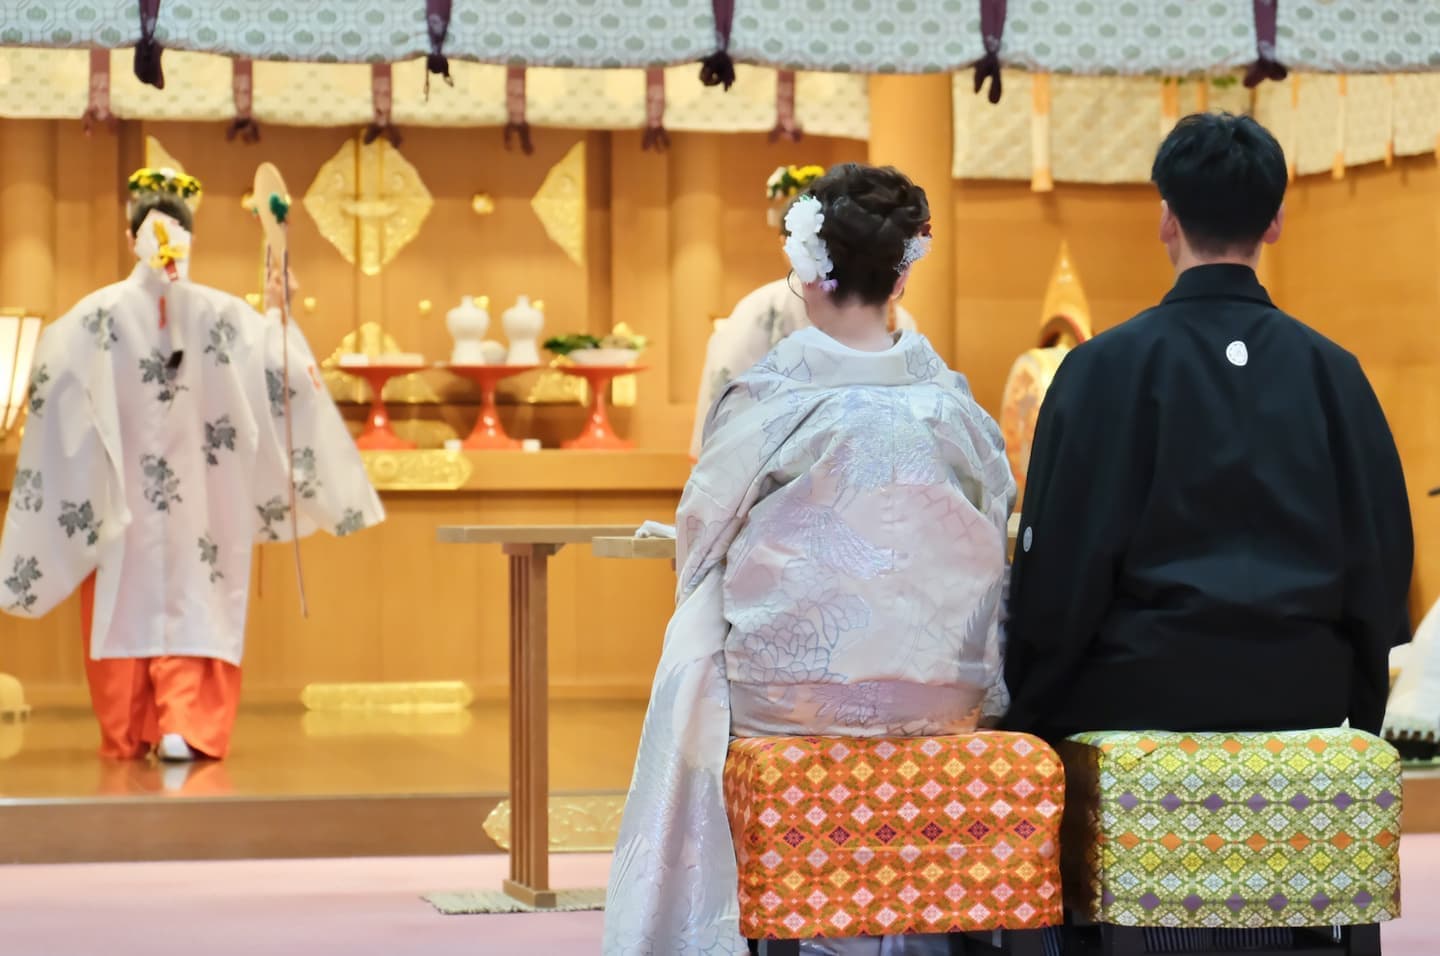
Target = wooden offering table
(529,548)
(633,547)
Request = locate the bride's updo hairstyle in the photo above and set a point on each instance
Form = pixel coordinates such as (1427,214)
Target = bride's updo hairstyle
(871,213)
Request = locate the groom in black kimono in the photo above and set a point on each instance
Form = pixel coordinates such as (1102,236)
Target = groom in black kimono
(1216,534)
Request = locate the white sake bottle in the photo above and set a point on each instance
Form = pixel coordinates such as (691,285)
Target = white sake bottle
(468,323)
(523,324)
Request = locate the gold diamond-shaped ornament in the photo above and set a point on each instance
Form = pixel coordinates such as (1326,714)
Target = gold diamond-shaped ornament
(369,202)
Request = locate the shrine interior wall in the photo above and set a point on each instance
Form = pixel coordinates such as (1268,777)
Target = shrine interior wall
(673,239)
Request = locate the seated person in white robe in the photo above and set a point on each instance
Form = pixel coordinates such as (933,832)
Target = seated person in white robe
(836,479)
(761,319)
(155,456)
(1412,714)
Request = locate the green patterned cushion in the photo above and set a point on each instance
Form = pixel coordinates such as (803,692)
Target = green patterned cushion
(1232,830)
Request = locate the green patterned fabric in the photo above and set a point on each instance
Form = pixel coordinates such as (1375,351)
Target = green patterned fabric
(1232,830)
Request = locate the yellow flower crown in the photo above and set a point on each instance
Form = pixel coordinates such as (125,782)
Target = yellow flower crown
(787,182)
(149,180)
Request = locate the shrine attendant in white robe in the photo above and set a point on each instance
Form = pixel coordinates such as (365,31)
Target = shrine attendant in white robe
(1412,714)
(754,327)
(841,545)
(154,457)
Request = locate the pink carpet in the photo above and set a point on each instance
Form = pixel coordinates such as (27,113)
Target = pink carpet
(373,908)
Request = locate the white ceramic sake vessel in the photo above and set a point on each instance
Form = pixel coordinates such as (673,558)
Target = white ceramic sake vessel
(523,324)
(468,322)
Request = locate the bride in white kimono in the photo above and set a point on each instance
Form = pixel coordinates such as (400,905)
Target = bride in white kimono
(841,548)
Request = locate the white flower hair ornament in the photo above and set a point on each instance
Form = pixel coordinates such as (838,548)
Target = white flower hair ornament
(916,248)
(806,250)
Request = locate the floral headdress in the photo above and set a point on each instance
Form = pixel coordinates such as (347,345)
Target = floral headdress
(808,254)
(165,180)
(787,182)
(810,257)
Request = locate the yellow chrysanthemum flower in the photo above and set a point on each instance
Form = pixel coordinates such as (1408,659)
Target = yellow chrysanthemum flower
(161,180)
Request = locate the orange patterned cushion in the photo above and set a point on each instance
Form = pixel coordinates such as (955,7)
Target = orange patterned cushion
(842,837)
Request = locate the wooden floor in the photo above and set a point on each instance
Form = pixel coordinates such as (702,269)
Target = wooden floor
(286,752)
(303,784)
(300,784)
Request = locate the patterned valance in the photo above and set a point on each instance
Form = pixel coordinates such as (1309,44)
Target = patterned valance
(54,84)
(1107,129)
(1086,37)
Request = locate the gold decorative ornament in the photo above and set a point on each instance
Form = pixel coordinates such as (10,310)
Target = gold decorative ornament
(371,340)
(560,203)
(554,387)
(427,432)
(333,723)
(482,204)
(578,824)
(390,697)
(1064,324)
(422,470)
(426,307)
(369,202)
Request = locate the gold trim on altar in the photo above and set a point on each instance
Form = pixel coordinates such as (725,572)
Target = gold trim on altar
(393,697)
(427,469)
(334,723)
(578,824)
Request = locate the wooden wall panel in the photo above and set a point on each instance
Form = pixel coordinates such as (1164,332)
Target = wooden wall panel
(394,604)
(1358,262)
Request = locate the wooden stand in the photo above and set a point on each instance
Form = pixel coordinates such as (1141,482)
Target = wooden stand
(488,434)
(529,549)
(378,435)
(598,434)
(529,880)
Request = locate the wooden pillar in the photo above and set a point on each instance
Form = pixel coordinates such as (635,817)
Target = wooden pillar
(910,128)
(27,196)
(696,269)
(89,213)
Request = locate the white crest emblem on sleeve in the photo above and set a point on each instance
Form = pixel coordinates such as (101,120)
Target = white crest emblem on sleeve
(1237,353)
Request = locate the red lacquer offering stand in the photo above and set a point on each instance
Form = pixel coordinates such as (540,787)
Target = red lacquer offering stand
(598,435)
(378,436)
(488,434)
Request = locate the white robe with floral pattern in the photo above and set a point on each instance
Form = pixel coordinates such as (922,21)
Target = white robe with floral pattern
(155,455)
(841,548)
